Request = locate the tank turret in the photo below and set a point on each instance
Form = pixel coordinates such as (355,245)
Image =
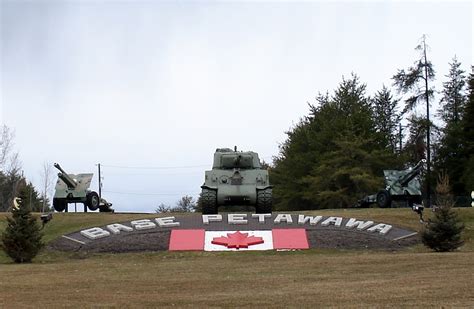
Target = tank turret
(236,178)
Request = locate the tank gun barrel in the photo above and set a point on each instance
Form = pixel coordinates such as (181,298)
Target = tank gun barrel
(405,179)
(237,160)
(71,183)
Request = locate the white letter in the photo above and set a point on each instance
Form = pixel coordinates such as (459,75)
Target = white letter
(144,224)
(283,217)
(95,233)
(261,217)
(117,227)
(381,228)
(302,219)
(166,222)
(334,220)
(237,218)
(360,224)
(211,218)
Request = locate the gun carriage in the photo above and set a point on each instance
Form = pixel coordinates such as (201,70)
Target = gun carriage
(400,185)
(74,188)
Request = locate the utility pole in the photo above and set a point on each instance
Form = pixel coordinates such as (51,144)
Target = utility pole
(100,182)
(428,152)
(400,136)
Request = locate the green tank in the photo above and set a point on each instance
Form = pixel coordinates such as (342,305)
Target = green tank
(74,188)
(236,178)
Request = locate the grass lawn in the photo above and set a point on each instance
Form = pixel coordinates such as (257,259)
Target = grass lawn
(413,277)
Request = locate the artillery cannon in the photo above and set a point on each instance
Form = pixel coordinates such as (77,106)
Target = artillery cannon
(236,178)
(401,185)
(74,188)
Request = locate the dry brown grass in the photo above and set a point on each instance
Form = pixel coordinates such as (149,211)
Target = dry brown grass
(279,279)
(312,278)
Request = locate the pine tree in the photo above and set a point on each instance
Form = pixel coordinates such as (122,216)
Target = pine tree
(449,151)
(443,232)
(386,117)
(468,137)
(415,83)
(333,156)
(21,239)
(453,101)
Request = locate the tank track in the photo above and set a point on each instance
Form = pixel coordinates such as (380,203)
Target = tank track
(264,201)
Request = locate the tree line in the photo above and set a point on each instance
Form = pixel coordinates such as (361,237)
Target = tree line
(335,155)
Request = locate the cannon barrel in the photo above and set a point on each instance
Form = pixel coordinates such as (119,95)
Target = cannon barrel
(71,183)
(237,160)
(405,179)
(56,165)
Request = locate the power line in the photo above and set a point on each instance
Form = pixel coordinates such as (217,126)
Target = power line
(154,167)
(151,194)
(164,167)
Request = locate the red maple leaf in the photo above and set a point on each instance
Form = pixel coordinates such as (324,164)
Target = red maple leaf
(237,240)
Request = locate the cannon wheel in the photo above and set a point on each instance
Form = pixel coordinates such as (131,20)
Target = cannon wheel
(209,202)
(383,199)
(59,204)
(264,201)
(92,201)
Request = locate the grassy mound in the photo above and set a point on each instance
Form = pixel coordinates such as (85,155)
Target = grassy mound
(414,277)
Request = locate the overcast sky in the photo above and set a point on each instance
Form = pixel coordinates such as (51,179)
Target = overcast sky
(162,84)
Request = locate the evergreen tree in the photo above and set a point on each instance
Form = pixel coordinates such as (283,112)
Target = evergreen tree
(32,198)
(386,117)
(331,157)
(344,175)
(468,137)
(453,101)
(450,148)
(443,232)
(415,146)
(21,239)
(415,83)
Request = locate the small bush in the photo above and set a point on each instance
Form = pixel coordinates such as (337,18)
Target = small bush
(21,239)
(443,232)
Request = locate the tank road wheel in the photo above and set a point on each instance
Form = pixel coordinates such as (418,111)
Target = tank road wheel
(59,204)
(209,202)
(264,201)
(92,201)
(383,199)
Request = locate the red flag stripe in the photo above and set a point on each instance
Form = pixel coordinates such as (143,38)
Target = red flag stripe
(290,239)
(189,240)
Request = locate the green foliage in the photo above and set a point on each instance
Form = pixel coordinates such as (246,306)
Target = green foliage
(450,155)
(32,198)
(454,99)
(468,138)
(346,173)
(21,240)
(334,155)
(9,184)
(386,117)
(414,81)
(443,232)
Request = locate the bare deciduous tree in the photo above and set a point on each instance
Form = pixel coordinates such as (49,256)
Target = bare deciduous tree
(47,181)
(9,161)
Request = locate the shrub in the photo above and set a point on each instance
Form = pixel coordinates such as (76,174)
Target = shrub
(443,232)
(21,239)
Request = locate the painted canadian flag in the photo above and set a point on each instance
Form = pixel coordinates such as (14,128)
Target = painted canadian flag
(198,240)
